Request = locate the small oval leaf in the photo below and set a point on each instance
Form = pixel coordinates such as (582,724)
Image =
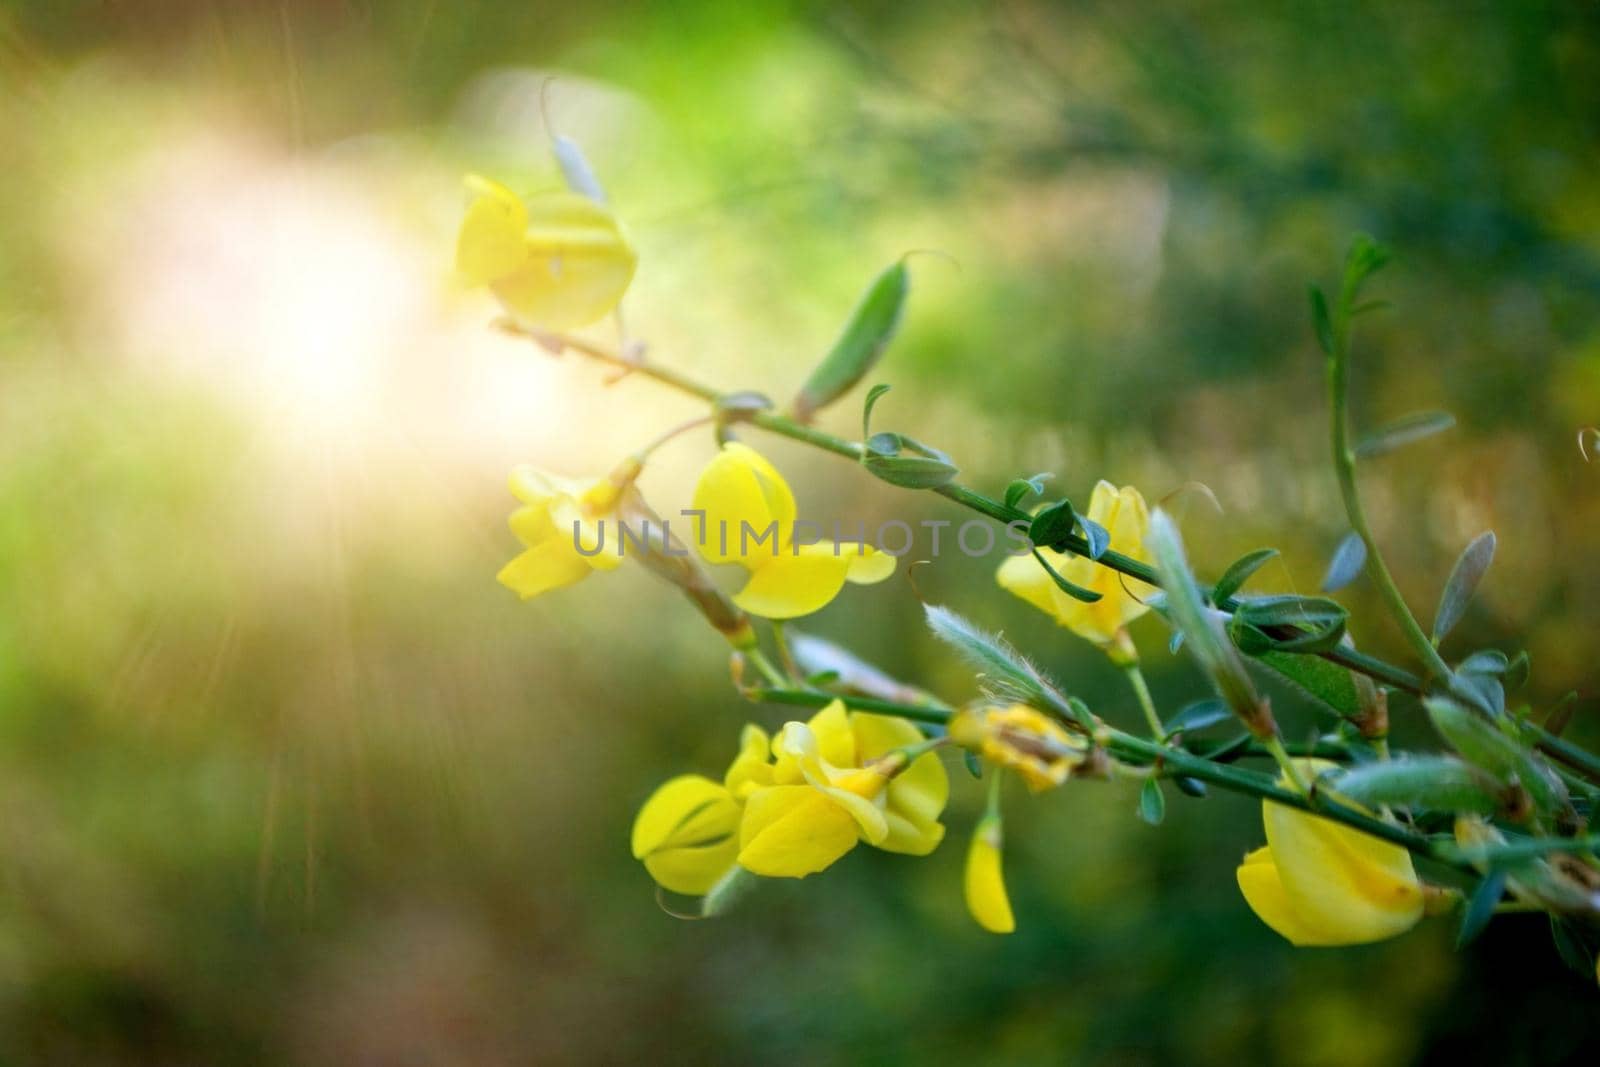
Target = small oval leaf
(1152,802)
(1239,572)
(1402,432)
(1321,321)
(1346,564)
(910,472)
(871,327)
(1480,909)
(1464,579)
(1076,592)
(1098,536)
(1022,488)
(1053,524)
(1197,716)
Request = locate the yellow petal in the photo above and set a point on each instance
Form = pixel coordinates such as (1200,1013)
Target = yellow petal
(687,811)
(985,882)
(598,535)
(868,566)
(532,524)
(1351,885)
(917,795)
(836,737)
(740,493)
(536,488)
(878,735)
(1263,891)
(752,767)
(693,871)
(549,564)
(787,586)
(576,264)
(1126,518)
(908,834)
(1024,577)
(491,243)
(855,790)
(790,831)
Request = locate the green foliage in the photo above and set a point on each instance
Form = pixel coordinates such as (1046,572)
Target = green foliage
(866,335)
(1469,570)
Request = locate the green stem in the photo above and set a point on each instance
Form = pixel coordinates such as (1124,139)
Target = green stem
(772,675)
(1146,704)
(935,714)
(1344,462)
(1274,747)
(1580,760)
(785,657)
(1528,848)
(1174,762)
(1374,668)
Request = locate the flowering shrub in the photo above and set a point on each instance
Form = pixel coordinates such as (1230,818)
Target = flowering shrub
(1497,821)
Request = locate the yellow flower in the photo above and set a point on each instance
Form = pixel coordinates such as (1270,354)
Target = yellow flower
(748,518)
(686,834)
(555,262)
(1124,515)
(559,525)
(1027,741)
(985,881)
(1319,882)
(836,780)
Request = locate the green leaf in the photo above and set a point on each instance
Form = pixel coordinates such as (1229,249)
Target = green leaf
(873,396)
(1402,432)
(1005,672)
(1152,802)
(1516,674)
(1485,661)
(910,472)
(1346,564)
(884,444)
(732,407)
(1464,579)
(1484,744)
(1327,683)
(1366,258)
(1192,787)
(1480,908)
(871,327)
(1197,716)
(974,764)
(1076,592)
(1053,524)
(1239,572)
(1022,488)
(1434,783)
(1321,322)
(1187,611)
(1287,623)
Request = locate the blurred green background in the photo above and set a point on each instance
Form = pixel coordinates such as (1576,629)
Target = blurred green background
(285,777)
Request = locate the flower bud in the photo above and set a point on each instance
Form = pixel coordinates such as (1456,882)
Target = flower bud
(1020,738)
